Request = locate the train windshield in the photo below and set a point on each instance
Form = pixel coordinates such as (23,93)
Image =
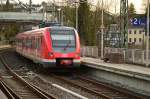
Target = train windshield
(63,40)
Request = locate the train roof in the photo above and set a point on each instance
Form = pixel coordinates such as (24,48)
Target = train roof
(61,27)
(51,27)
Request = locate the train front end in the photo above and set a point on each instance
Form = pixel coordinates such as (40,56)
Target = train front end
(64,47)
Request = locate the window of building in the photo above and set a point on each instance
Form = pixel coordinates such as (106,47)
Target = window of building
(134,39)
(140,40)
(134,31)
(130,39)
(140,31)
(143,30)
(130,32)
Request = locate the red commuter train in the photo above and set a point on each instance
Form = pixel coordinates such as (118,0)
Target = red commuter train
(56,46)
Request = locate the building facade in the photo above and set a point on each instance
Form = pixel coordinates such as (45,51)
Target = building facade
(136,36)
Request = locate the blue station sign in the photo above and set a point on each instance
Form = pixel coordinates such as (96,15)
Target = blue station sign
(138,21)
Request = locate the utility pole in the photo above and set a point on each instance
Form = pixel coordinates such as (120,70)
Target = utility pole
(1,4)
(59,15)
(124,22)
(102,31)
(30,6)
(147,36)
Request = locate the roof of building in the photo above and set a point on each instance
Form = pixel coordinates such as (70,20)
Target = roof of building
(21,16)
(135,27)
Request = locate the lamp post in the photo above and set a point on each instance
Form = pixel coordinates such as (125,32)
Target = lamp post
(59,14)
(76,7)
(147,40)
(30,4)
(62,18)
(102,31)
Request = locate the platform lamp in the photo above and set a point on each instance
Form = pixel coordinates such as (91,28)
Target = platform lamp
(147,40)
(59,14)
(102,31)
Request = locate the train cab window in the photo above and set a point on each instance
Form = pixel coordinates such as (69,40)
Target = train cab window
(63,39)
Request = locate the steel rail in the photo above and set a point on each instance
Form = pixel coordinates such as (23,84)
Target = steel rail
(35,90)
(121,90)
(8,91)
(84,88)
(123,94)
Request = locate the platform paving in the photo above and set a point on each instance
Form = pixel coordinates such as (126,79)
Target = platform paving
(4,46)
(125,69)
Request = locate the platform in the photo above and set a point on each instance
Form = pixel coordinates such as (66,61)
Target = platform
(4,47)
(133,77)
(126,69)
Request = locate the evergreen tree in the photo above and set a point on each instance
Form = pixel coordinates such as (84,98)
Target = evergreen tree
(146,11)
(8,6)
(131,10)
(83,13)
(69,16)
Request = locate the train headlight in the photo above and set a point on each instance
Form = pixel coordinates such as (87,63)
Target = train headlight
(77,55)
(51,54)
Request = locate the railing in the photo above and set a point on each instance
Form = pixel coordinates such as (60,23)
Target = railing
(89,51)
(4,42)
(134,56)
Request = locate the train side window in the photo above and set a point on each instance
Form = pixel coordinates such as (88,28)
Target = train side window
(20,42)
(38,43)
(24,42)
(32,42)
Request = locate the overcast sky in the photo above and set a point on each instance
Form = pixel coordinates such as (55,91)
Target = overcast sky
(137,3)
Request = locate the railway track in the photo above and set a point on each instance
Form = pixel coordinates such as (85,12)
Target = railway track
(99,89)
(18,88)
(48,87)
(81,83)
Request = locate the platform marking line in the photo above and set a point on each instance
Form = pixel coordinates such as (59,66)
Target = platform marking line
(69,91)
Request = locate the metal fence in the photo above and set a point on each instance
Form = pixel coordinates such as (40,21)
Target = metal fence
(89,51)
(134,56)
(4,42)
